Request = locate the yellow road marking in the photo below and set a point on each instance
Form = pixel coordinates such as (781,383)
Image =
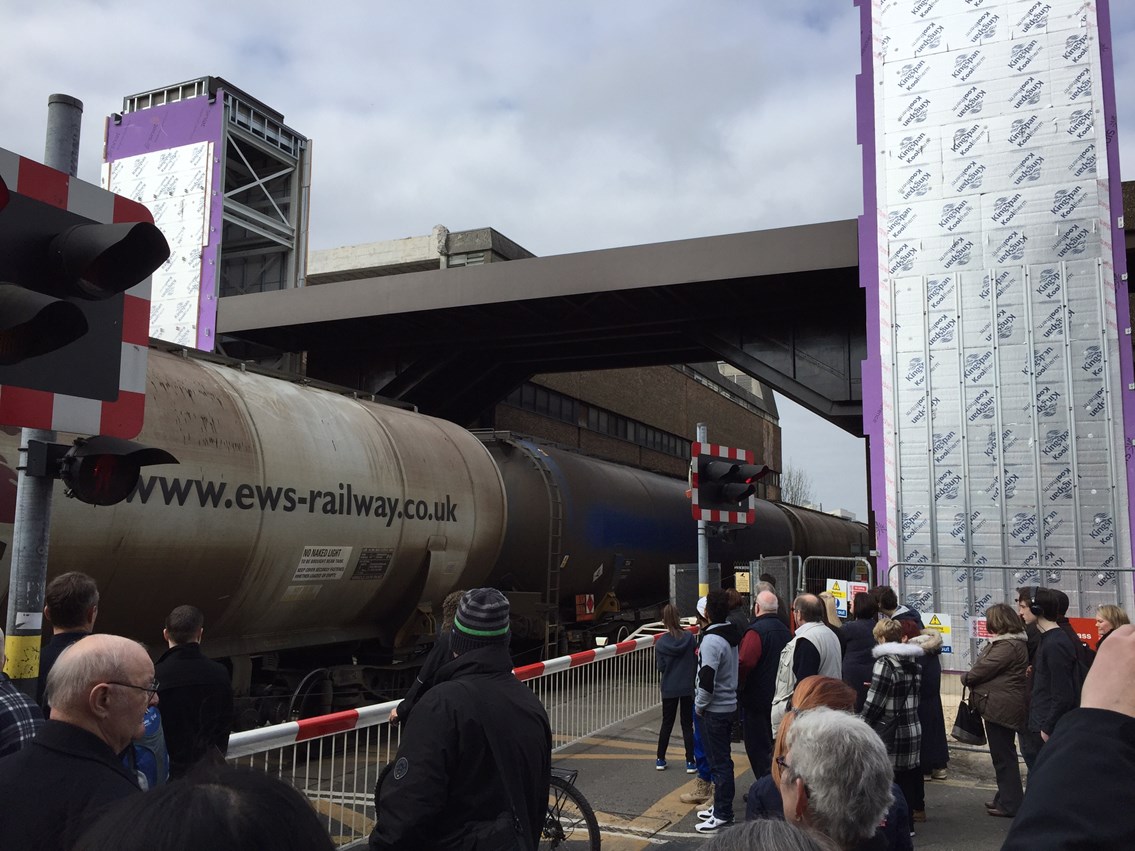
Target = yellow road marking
(349,818)
(591,741)
(666,811)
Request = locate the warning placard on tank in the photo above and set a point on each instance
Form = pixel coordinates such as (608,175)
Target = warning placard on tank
(373,563)
(319,564)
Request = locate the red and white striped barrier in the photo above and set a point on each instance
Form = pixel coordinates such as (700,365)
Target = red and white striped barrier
(585,657)
(249,742)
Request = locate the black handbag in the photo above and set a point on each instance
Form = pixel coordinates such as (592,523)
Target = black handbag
(888,731)
(968,726)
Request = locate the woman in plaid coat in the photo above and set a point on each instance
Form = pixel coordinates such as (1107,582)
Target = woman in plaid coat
(892,709)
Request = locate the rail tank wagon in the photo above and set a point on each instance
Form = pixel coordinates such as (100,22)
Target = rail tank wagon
(296,517)
(619,527)
(301,519)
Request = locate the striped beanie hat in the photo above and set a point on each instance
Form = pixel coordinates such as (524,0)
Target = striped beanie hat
(482,619)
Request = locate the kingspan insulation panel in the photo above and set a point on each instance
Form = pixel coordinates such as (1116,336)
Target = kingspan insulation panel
(999,361)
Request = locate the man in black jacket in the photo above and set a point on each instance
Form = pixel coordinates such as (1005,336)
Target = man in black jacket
(196,694)
(54,788)
(1054,668)
(758,657)
(441,653)
(1080,794)
(473,768)
(1030,740)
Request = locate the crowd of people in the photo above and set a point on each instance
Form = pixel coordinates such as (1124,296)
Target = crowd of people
(108,723)
(843,724)
(125,753)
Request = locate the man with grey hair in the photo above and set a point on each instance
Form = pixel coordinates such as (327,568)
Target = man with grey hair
(20,716)
(758,656)
(768,583)
(835,776)
(814,649)
(53,789)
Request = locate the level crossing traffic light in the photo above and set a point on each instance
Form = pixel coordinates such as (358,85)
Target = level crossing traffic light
(723,484)
(69,252)
(96,470)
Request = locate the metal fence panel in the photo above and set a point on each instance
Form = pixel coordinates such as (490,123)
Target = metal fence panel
(817,570)
(784,569)
(684,586)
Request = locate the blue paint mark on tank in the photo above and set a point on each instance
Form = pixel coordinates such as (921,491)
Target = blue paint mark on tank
(610,526)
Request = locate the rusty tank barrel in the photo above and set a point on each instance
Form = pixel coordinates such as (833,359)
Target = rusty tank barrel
(296,517)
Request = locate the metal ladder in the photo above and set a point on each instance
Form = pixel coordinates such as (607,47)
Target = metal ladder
(556,560)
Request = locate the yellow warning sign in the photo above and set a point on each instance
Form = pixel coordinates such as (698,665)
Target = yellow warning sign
(943,625)
(838,589)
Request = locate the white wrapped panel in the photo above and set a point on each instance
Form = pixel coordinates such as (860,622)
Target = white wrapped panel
(915,528)
(915,182)
(174,184)
(1023,527)
(946,412)
(1032,17)
(913,148)
(1005,357)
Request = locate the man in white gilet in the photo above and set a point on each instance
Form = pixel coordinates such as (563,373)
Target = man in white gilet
(814,649)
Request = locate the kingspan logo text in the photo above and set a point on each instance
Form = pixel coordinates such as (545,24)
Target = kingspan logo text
(1023,129)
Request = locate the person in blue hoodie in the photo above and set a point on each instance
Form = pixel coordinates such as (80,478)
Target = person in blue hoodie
(715,701)
(674,657)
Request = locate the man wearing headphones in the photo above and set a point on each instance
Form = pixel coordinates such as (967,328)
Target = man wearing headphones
(1054,666)
(1030,742)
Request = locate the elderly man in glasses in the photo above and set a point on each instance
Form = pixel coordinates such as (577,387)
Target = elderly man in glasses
(55,787)
(835,778)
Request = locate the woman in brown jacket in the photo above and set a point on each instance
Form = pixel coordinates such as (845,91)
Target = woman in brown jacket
(997,680)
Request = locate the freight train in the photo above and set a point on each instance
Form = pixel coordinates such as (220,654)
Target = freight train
(319,532)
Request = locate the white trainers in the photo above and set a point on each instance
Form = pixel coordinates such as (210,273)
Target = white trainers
(712,825)
(705,814)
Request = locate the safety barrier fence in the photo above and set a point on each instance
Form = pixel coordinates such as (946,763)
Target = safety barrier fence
(336,759)
(836,575)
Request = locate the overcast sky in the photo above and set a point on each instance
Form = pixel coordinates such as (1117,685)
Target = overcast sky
(567,126)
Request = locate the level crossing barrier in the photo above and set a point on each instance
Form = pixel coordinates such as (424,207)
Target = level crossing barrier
(335,759)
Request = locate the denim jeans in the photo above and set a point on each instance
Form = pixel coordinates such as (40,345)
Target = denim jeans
(718,729)
(699,749)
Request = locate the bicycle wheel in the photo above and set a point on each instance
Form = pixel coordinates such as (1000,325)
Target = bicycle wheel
(571,822)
